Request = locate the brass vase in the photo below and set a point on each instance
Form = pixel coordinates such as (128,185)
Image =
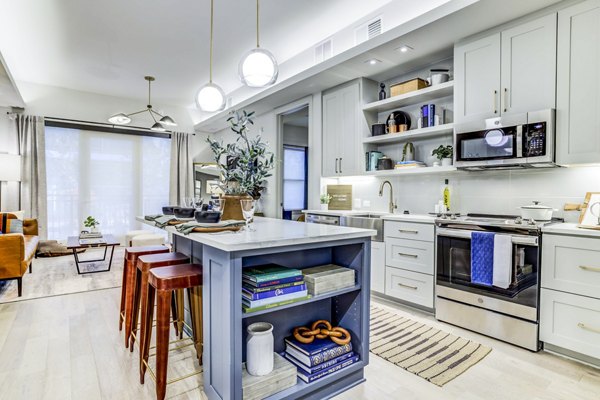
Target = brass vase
(232,208)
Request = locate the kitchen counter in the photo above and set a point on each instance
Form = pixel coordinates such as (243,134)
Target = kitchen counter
(570,229)
(291,244)
(336,213)
(421,218)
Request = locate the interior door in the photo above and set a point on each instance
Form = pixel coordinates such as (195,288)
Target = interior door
(477,79)
(529,66)
(578,84)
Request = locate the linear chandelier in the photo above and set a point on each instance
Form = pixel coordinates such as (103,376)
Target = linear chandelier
(165,120)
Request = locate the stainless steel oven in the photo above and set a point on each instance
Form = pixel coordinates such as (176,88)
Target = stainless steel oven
(516,141)
(509,314)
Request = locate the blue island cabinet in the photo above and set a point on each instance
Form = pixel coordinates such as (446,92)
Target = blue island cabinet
(225,323)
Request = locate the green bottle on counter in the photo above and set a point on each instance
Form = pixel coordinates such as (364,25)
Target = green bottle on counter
(446,195)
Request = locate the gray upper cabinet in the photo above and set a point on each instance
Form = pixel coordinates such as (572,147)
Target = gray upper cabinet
(477,79)
(578,84)
(343,128)
(513,71)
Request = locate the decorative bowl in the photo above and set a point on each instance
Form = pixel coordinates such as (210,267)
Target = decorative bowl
(184,212)
(207,216)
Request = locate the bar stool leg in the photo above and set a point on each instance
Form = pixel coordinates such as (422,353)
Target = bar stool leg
(174,313)
(195,304)
(123,286)
(130,280)
(137,299)
(180,312)
(162,341)
(146,332)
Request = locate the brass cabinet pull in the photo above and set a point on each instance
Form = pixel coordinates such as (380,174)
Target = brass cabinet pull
(407,231)
(408,286)
(588,328)
(408,255)
(587,268)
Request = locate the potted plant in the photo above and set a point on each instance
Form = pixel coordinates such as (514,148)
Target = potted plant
(91,222)
(244,165)
(444,154)
(325,199)
(408,152)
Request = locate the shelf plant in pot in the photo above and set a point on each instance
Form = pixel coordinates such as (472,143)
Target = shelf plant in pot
(244,165)
(325,199)
(444,154)
(91,223)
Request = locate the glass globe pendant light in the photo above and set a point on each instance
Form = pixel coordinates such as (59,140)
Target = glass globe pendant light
(210,97)
(258,67)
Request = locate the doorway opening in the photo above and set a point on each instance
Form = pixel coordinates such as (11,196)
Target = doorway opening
(294,157)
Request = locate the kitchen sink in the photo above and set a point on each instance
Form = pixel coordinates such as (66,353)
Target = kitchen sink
(365,221)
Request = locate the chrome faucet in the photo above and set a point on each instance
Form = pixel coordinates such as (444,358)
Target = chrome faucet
(392,206)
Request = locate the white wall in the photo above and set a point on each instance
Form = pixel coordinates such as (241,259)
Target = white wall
(8,144)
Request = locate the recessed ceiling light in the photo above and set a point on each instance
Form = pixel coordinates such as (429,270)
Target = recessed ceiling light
(373,61)
(404,49)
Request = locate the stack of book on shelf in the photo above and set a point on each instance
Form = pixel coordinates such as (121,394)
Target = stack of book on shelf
(409,164)
(328,278)
(318,359)
(270,286)
(90,235)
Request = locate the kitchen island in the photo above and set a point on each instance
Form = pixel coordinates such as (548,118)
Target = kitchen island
(291,244)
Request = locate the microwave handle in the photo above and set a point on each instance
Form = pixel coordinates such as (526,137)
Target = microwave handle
(464,234)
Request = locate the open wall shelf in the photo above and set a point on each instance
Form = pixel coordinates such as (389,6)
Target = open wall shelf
(408,99)
(415,134)
(411,171)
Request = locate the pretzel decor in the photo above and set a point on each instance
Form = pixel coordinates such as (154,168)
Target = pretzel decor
(321,329)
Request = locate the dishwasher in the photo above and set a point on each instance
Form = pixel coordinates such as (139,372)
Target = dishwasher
(323,219)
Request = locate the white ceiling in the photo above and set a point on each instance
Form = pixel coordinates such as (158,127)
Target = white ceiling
(108,46)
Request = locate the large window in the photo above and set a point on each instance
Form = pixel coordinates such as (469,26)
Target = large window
(112,177)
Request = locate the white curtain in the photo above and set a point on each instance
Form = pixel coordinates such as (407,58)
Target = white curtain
(30,134)
(112,177)
(181,186)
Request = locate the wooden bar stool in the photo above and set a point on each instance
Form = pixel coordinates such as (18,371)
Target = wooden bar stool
(161,284)
(131,256)
(140,290)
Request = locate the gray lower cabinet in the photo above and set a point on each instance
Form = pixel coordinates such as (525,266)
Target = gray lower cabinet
(378,267)
(570,295)
(409,262)
(578,84)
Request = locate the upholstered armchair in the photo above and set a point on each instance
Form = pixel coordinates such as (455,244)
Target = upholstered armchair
(17,252)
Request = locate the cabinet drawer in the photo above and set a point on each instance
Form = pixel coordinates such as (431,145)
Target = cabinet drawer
(413,255)
(571,264)
(412,287)
(408,230)
(571,322)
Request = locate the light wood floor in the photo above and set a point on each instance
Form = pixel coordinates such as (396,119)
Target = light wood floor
(69,347)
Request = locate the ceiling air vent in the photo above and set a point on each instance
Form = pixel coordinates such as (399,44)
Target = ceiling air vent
(323,51)
(368,31)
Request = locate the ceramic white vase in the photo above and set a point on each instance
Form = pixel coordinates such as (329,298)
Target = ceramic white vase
(259,349)
(324,207)
(446,162)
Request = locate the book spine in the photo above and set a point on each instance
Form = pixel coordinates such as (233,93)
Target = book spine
(273,293)
(329,371)
(319,367)
(252,289)
(263,302)
(273,305)
(330,354)
(272,276)
(274,282)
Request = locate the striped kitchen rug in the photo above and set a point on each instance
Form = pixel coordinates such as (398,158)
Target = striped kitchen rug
(434,355)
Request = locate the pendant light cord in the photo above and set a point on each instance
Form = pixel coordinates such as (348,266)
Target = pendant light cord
(212,6)
(257,30)
(149,85)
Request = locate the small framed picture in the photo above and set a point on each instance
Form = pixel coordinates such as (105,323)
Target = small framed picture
(590,212)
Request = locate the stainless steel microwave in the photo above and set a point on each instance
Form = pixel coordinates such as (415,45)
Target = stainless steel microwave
(516,141)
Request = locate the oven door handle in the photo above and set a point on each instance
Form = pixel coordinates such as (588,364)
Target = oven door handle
(465,234)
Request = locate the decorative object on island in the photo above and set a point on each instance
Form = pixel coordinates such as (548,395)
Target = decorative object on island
(382,94)
(259,349)
(408,151)
(282,377)
(165,120)
(407,87)
(184,212)
(325,199)
(443,154)
(319,358)
(258,67)
(270,286)
(92,223)
(244,165)
(322,329)
(328,278)
(341,197)
(210,97)
(248,207)
(590,212)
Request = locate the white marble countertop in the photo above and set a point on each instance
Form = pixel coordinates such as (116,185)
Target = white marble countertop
(337,213)
(420,218)
(270,232)
(570,229)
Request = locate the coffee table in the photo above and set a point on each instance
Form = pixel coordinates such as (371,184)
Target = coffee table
(74,244)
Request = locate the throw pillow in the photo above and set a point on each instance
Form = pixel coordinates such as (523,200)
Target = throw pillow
(19,214)
(9,224)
